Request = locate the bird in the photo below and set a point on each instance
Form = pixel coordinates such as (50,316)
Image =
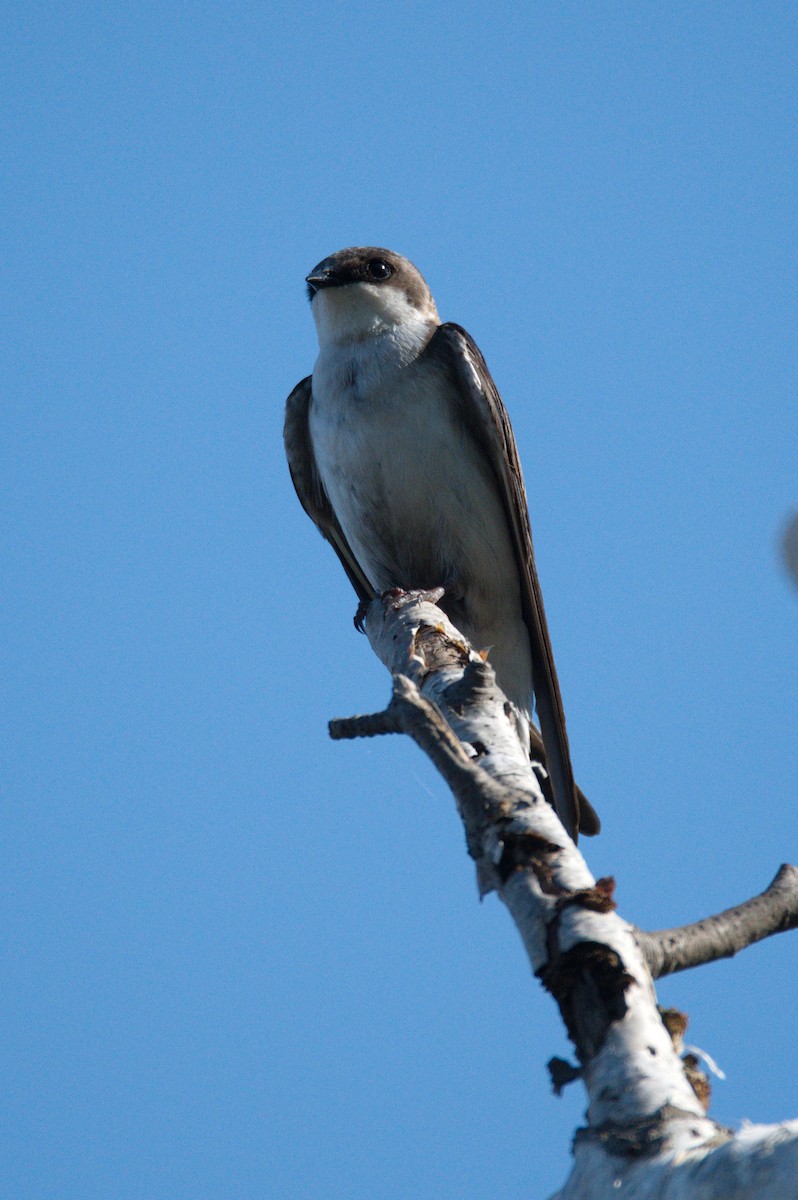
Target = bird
(402,453)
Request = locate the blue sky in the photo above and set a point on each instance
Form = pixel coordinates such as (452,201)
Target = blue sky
(244,961)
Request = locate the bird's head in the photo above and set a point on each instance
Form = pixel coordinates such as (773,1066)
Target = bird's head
(363,291)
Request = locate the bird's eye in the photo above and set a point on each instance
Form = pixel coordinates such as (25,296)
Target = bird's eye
(378,269)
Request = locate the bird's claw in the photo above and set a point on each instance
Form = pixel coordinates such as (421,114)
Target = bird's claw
(360,615)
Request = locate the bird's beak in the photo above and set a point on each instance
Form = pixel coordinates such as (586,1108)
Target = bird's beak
(320,277)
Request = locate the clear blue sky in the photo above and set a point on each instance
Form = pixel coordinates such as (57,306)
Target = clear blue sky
(242,961)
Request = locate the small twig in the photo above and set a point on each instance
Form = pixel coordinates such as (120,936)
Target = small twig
(774,911)
(408,712)
(479,797)
(367,725)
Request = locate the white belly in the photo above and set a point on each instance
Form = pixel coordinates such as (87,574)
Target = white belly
(418,501)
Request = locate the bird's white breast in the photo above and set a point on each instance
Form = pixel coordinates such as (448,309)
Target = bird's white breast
(414,494)
(379,426)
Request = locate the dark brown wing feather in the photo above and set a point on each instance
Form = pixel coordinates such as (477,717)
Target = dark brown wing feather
(484,412)
(309,488)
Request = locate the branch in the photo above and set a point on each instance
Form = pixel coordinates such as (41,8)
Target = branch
(446,697)
(774,911)
(647,1129)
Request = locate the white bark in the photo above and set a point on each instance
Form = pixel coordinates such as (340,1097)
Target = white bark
(648,1135)
(760,1162)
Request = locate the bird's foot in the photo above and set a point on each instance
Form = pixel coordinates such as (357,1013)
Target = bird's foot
(397,596)
(430,595)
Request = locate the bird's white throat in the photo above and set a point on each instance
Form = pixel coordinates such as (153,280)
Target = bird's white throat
(359,311)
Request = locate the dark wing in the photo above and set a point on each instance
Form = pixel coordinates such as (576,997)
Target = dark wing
(589,822)
(309,488)
(484,414)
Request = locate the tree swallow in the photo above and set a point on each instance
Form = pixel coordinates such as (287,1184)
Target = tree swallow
(401,451)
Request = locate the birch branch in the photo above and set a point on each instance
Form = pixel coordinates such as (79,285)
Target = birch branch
(647,1132)
(773,911)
